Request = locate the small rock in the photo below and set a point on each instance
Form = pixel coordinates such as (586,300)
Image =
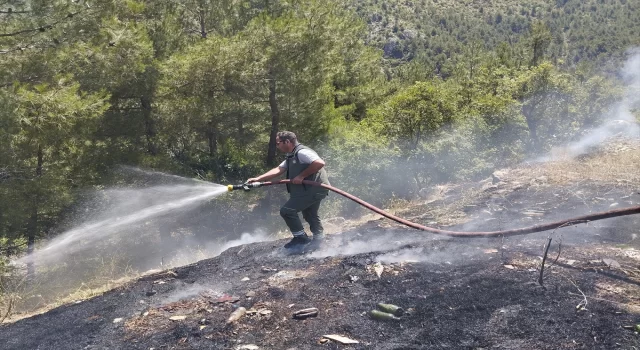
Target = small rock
(226,299)
(378,268)
(117,320)
(426,192)
(611,263)
(251,294)
(489,187)
(151,292)
(245,279)
(177,318)
(541,180)
(338,220)
(495,178)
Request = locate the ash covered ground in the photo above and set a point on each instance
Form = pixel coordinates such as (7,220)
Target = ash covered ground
(457,293)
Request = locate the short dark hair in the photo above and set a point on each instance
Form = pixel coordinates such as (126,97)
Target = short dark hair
(287,135)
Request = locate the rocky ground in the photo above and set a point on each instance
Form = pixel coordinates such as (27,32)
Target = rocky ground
(457,293)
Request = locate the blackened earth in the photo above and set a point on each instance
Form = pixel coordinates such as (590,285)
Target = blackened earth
(458,293)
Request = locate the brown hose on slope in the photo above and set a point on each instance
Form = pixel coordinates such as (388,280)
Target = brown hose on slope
(512,232)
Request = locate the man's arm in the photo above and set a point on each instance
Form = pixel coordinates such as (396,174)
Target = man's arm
(311,169)
(275,172)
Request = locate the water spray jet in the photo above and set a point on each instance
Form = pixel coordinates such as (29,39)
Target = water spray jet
(503,233)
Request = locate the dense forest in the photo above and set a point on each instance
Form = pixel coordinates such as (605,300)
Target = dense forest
(395,95)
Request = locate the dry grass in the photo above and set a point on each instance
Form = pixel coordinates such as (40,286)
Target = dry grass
(23,300)
(616,164)
(7,304)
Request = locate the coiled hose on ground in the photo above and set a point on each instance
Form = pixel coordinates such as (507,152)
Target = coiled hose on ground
(502,233)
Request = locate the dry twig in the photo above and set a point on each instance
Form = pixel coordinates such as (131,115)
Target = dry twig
(607,300)
(583,304)
(544,258)
(546,251)
(11,301)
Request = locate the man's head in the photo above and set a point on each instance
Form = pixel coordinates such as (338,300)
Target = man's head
(286,141)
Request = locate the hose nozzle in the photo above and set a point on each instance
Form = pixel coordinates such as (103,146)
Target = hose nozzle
(245,186)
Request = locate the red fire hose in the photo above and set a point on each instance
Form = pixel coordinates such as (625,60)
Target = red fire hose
(504,233)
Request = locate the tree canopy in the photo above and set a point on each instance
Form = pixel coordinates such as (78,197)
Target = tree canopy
(431,90)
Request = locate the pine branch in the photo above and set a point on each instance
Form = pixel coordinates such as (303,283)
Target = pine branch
(40,28)
(11,11)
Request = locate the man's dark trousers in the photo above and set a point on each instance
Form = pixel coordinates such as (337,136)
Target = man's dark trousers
(308,204)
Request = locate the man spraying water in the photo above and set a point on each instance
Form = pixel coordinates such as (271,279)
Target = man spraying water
(301,163)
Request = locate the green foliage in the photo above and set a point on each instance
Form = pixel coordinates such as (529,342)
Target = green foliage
(578,30)
(395,95)
(49,128)
(358,159)
(416,112)
(217,92)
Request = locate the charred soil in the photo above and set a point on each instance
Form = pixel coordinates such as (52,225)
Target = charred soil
(462,293)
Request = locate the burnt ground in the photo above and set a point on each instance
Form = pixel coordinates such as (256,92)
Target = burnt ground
(458,293)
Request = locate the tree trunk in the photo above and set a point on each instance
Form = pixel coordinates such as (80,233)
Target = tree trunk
(150,128)
(203,28)
(32,225)
(212,137)
(275,123)
(240,122)
(532,123)
(418,137)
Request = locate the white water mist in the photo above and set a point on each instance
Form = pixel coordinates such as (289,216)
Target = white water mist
(130,206)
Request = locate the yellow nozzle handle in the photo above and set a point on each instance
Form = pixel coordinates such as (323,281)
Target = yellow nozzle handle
(229,188)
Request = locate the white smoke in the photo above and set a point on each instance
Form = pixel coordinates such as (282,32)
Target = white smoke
(191,291)
(346,245)
(620,122)
(259,235)
(197,251)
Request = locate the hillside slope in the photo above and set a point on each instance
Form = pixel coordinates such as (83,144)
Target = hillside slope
(435,30)
(458,293)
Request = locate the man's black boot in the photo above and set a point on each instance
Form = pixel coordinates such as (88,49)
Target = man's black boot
(298,241)
(317,241)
